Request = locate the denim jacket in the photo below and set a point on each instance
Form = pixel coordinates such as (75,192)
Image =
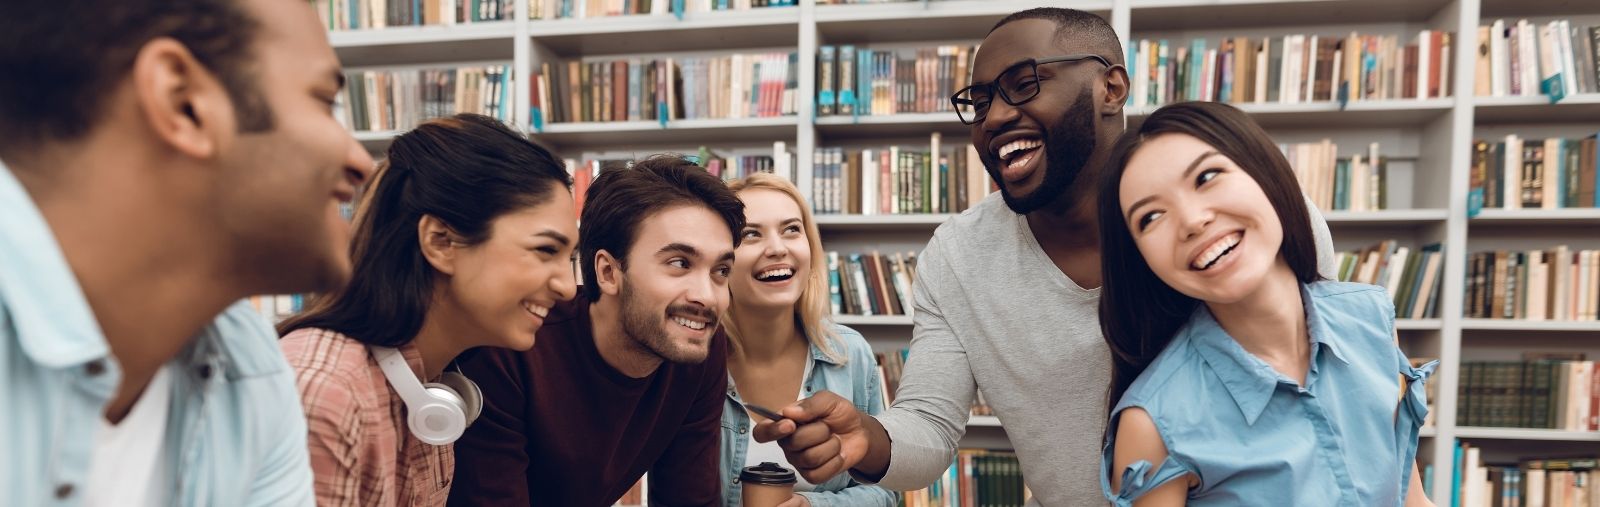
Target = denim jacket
(856,380)
(235,433)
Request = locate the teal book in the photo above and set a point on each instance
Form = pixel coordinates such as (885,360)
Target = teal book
(1341,185)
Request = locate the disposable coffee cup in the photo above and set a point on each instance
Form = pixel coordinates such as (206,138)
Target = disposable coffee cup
(766,485)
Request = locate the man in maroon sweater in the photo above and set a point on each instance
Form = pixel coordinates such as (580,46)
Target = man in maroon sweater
(629,376)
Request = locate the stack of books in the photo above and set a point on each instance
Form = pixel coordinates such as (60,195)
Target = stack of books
(895,180)
(725,164)
(1414,278)
(1523,58)
(278,307)
(1557,482)
(861,81)
(1556,284)
(1517,173)
(732,86)
(380,100)
(1291,69)
(1543,393)
(585,9)
(871,283)
(1334,183)
(363,14)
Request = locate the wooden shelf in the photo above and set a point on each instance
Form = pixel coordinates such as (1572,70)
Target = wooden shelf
(983,421)
(1428,432)
(1367,113)
(489,40)
(872,320)
(877,222)
(1387,217)
(1418,324)
(612,135)
(1537,109)
(376,141)
(1525,8)
(753,28)
(892,125)
(1528,325)
(1527,434)
(1526,217)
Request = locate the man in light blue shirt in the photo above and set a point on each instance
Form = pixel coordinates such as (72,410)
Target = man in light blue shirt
(159,161)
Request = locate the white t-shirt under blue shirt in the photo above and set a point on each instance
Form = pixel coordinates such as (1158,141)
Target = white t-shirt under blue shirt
(128,456)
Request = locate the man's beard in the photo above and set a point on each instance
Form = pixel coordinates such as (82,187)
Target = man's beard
(647,328)
(1067,146)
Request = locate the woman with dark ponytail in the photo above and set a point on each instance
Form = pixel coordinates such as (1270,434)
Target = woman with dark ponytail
(1240,377)
(463,239)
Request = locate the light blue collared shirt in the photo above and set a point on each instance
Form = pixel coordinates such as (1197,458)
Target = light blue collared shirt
(855,380)
(1251,436)
(235,432)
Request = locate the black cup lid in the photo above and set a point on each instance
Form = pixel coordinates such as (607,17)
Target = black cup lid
(767,473)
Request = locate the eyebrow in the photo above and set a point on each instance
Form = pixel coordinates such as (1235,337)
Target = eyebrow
(786,221)
(1192,166)
(558,237)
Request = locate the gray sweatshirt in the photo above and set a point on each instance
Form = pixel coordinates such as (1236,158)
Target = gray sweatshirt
(993,313)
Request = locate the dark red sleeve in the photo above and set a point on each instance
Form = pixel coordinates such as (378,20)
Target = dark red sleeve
(492,457)
(687,474)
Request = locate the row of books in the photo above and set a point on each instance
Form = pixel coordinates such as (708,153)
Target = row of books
(1557,482)
(1291,69)
(380,100)
(1525,58)
(585,9)
(277,307)
(728,86)
(977,478)
(1516,173)
(1541,393)
(1412,277)
(898,179)
(363,14)
(861,81)
(727,165)
(1556,284)
(872,283)
(1357,183)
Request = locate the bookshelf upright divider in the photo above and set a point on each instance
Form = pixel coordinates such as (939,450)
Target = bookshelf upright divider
(1431,139)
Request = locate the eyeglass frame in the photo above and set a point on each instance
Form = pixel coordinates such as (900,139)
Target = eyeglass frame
(1034,63)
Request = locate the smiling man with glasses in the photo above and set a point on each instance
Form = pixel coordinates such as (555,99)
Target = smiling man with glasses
(1006,294)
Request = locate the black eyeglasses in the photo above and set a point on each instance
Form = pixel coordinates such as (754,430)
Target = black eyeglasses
(1016,85)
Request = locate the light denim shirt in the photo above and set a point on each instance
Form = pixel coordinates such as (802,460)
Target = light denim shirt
(235,433)
(1252,436)
(855,380)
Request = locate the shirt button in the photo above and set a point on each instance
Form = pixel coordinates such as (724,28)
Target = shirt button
(94,369)
(742,429)
(63,491)
(204,371)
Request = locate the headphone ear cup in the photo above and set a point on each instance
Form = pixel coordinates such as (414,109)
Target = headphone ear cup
(440,421)
(467,390)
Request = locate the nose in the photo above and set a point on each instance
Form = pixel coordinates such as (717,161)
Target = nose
(564,284)
(703,291)
(999,115)
(774,247)
(1194,217)
(358,163)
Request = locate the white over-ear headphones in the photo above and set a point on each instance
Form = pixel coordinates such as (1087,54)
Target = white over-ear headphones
(437,413)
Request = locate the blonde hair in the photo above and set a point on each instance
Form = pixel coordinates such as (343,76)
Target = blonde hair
(813,312)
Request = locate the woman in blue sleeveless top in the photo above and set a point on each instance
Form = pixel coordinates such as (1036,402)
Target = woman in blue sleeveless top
(1240,377)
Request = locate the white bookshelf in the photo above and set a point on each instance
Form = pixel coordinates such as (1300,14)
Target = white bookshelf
(1435,134)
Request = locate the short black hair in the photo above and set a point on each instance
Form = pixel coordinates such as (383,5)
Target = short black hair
(621,198)
(1082,27)
(59,59)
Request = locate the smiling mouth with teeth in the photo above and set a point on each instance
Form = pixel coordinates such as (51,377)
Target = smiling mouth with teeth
(1014,149)
(536,310)
(775,275)
(1218,249)
(691,324)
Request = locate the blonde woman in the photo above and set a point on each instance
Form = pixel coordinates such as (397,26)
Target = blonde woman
(785,347)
